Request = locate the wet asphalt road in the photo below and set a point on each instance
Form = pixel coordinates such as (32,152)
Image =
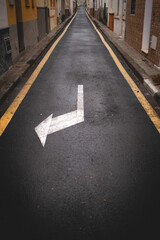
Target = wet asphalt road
(96,180)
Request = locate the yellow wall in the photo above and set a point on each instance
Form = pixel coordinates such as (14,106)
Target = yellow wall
(24,13)
(28,13)
(11,11)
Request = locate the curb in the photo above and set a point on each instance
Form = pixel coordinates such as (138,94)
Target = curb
(152,89)
(142,76)
(12,77)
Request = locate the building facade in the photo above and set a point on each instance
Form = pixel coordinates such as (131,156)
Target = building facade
(25,22)
(43,19)
(143,28)
(117,16)
(136,21)
(52,14)
(19,31)
(26,15)
(111,12)
(5,46)
(60,11)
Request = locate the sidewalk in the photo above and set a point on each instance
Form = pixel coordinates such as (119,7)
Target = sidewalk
(10,78)
(144,70)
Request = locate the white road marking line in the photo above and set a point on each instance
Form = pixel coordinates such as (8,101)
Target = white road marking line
(7,116)
(51,125)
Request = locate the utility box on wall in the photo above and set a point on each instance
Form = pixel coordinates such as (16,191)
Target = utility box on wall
(5,51)
(154,42)
(7,45)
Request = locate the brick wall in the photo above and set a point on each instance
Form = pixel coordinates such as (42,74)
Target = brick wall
(134,28)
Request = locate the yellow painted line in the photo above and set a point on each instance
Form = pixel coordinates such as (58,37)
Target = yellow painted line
(143,101)
(6,118)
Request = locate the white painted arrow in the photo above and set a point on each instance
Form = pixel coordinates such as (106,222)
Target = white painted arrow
(51,125)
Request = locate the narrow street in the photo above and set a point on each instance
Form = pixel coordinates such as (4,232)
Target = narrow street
(91,177)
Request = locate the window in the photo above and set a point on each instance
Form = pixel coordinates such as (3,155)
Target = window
(27,4)
(133,6)
(11,2)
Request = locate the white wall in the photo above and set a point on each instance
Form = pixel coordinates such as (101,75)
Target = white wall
(97,4)
(110,6)
(147,25)
(3,14)
(90,3)
(119,18)
(58,7)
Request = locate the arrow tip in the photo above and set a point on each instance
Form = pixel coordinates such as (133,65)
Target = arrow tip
(42,129)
